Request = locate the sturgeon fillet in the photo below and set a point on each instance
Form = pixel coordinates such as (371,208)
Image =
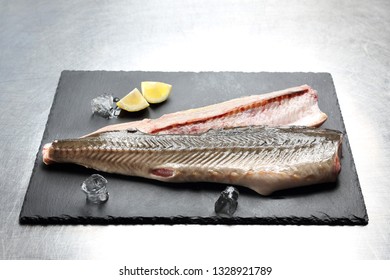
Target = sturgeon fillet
(264,159)
(296,106)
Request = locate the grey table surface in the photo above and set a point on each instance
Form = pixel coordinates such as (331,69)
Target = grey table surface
(349,39)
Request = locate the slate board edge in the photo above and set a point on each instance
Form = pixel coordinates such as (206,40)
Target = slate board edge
(21,215)
(197,72)
(177,220)
(348,146)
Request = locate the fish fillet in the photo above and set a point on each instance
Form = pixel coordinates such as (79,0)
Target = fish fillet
(264,159)
(293,106)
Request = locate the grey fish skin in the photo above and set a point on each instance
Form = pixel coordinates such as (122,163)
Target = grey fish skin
(264,159)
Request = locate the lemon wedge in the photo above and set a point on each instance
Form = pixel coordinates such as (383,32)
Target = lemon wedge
(155,92)
(133,102)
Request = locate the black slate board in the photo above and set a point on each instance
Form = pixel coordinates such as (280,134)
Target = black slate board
(54,195)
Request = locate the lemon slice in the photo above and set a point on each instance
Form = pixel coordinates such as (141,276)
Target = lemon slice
(155,92)
(133,102)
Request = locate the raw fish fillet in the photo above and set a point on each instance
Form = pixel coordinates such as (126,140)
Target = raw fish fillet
(294,106)
(264,159)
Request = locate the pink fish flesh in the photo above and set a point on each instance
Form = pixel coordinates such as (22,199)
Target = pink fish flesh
(297,106)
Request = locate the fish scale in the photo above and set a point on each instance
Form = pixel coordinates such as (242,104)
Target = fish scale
(264,159)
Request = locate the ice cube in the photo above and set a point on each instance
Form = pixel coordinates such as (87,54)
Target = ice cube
(227,202)
(103,105)
(95,187)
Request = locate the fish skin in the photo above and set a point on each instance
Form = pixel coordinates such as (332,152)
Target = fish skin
(297,106)
(264,159)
